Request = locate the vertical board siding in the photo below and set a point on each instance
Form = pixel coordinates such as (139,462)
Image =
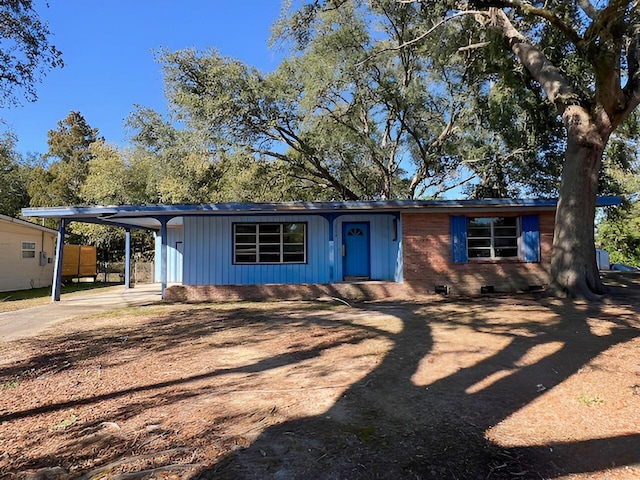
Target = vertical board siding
(208,247)
(175,259)
(384,251)
(208,255)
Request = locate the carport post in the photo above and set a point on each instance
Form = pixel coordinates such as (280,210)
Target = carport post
(127,258)
(163,254)
(57,267)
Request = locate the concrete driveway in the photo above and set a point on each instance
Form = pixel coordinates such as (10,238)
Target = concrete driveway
(31,321)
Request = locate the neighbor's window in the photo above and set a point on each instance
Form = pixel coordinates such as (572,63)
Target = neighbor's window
(28,250)
(269,242)
(492,237)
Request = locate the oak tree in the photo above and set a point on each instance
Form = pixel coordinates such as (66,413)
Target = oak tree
(26,53)
(584,59)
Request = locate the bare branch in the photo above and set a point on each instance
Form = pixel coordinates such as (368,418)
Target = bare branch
(588,8)
(632,88)
(420,37)
(605,16)
(443,188)
(474,46)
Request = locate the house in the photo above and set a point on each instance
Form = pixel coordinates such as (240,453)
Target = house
(386,248)
(26,252)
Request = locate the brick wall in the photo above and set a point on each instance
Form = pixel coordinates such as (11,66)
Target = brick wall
(427,259)
(229,293)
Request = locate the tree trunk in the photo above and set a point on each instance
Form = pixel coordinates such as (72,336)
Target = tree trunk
(574,271)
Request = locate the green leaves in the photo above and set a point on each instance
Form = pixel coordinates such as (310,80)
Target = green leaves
(25,52)
(14,177)
(64,168)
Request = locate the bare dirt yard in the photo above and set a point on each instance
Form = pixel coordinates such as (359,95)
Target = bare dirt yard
(484,388)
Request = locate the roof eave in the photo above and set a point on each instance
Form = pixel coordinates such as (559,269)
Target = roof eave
(121,212)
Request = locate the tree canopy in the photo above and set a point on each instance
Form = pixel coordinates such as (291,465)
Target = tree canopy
(64,168)
(25,51)
(347,113)
(619,231)
(14,177)
(581,59)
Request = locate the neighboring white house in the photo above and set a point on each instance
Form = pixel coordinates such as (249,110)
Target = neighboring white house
(26,254)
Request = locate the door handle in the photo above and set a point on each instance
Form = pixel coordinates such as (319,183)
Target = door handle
(344,250)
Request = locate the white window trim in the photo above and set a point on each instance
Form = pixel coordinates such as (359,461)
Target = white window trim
(30,249)
(519,253)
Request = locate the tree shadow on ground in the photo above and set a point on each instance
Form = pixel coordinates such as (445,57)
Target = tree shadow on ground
(169,329)
(387,426)
(190,332)
(390,424)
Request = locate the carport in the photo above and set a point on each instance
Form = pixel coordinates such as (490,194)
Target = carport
(158,218)
(130,217)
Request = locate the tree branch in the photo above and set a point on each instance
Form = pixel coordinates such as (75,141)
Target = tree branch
(632,88)
(608,14)
(419,37)
(555,85)
(569,33)
(588,8)
(446,188)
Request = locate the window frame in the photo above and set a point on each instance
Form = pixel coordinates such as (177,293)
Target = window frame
(281,243)
(30,249)
(492,239)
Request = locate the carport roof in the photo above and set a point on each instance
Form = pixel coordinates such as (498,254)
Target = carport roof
(147,216)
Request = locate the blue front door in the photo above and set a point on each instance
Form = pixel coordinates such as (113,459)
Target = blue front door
(355,250)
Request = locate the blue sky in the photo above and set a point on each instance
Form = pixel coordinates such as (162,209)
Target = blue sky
(107,47)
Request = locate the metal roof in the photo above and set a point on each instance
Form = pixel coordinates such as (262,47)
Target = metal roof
(24,223)
(146,216)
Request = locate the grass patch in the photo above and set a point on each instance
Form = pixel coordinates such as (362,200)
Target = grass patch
(64,424)
(10,384)
(32,293)
(33,297)
(590,400)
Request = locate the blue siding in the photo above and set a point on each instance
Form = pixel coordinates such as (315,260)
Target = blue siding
(207,251)
(531,238)
(208,256)
(459,239)
(174,255)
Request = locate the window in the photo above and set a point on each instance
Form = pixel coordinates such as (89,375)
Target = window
(28,250)
(492,237)
(269,243)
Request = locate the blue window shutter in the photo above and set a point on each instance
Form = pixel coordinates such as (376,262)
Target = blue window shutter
(459,239)
(531,238)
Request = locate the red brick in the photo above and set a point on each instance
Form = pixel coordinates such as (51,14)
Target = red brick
(427,259)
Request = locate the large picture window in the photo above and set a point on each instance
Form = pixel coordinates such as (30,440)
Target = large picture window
(492,237)
(269,243)
(28,250)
